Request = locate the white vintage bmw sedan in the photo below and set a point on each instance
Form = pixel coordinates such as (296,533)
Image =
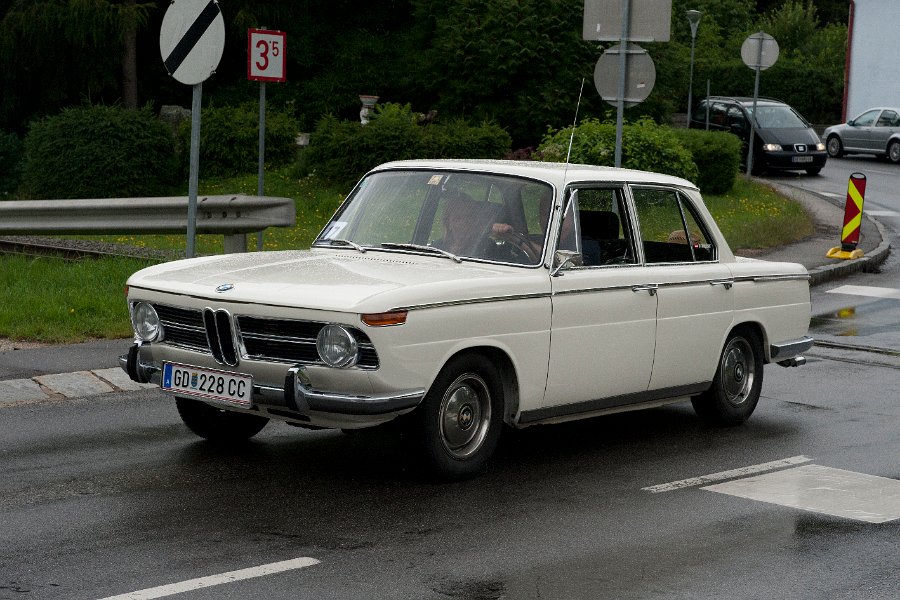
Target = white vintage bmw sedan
(461,297)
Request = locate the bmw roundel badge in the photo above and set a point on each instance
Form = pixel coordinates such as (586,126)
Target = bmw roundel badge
(225,287)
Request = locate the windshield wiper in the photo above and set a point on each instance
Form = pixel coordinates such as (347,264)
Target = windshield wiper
(431,249)
(353,245)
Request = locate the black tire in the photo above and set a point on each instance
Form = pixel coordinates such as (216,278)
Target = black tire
(458,424)
(218,425)
(834,146)
(814,171)
(893,152)
(736,386)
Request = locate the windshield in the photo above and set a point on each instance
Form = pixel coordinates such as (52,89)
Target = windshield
(778,117)
(455,214)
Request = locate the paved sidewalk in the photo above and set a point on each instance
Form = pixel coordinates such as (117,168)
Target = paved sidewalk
(91,368)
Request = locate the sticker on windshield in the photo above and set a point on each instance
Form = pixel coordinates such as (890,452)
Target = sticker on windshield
(435,180)
(334,228)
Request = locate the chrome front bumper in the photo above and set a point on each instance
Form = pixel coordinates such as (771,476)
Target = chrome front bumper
(297,393)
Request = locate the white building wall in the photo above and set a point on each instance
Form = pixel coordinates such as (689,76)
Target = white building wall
(873,75)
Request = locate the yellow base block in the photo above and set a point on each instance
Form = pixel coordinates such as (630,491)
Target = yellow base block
(838,253)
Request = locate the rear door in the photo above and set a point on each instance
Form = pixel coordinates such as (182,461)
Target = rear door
(695,303)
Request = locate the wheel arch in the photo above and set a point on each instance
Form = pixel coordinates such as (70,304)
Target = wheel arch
(509,379)
(757,329)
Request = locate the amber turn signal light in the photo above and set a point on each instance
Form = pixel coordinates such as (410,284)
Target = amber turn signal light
(397,317)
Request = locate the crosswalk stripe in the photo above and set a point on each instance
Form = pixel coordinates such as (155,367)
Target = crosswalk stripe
(866,290)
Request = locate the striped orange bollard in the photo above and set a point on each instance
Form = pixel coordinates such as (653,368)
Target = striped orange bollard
(856,193)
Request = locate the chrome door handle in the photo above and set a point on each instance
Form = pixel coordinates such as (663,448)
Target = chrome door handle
(646,287)
(726,283)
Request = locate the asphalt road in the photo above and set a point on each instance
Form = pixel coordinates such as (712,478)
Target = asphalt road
(111,497)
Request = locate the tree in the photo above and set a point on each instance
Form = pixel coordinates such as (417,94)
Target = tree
(55,53)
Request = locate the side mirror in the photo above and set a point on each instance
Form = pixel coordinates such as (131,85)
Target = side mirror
(561,260)
(851,123)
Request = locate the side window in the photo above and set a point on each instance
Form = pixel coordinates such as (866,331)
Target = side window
(717,116)
(866,119)
(735,117)
(597,228)
(888,118)
(670,229)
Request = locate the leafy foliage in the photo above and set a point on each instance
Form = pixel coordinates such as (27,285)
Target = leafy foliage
(229,139)
(10,163)
(98,152)
(717,155)
(645,146)
(344,150)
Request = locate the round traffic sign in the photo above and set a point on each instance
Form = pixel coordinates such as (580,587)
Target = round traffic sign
(759,50)
(640,74)
(191,40)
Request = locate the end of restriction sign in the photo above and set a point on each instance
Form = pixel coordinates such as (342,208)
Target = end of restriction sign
(265,55)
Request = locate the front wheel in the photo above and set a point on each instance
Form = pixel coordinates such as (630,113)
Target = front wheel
(217,425)
(835,147)
(893,152)
(736,386)
(458,424)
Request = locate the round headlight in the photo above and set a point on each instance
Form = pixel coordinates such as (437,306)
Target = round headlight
(146,322)
(337,347)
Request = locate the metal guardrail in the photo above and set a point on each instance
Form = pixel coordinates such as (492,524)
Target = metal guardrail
(233,216)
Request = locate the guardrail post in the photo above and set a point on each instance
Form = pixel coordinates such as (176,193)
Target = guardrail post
(235,242)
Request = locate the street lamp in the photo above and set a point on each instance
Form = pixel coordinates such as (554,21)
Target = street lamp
(693,17)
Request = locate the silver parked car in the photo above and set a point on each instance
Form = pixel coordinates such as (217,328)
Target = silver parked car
(876,131)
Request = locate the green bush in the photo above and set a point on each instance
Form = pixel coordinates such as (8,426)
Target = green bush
(645,146)
(10,164)
(342,151)
(717,155)
(98,152)
(229,140)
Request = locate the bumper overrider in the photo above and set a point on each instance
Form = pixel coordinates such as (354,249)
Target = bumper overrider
(297,393)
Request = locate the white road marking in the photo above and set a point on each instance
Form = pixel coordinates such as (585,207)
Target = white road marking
(704,479)
(865,290)
(882,213)
(204,582)
(833,195)
(824,490)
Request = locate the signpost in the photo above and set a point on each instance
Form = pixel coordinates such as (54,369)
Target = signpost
(265,62)
(191,42)
(759,52)
(626,21)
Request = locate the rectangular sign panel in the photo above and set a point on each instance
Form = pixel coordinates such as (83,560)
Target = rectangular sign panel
(265,55)
(650,20)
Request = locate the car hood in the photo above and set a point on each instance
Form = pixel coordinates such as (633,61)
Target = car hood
(790,136)
(337,280)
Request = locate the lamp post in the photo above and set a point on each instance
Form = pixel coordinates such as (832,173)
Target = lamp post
(693,17)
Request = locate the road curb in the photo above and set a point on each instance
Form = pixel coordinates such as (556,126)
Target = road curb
(825,273)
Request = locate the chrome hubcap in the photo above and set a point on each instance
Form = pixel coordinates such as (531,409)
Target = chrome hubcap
(738,371)
(465,415)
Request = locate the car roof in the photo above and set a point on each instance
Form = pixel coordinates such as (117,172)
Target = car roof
(746,100)
(558,174)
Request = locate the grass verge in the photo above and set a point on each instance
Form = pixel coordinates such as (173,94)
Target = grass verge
(58,301)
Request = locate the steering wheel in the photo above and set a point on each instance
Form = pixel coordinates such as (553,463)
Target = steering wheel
(518,246)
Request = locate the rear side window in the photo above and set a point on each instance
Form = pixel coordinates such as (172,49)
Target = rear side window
(670,230)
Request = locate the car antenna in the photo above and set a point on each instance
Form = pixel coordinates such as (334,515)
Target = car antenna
(572,137)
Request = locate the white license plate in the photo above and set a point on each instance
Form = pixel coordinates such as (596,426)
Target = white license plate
(802,159)
(207,383)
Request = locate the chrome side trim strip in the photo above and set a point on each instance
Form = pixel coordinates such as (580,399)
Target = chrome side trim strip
(760,278)
(472,301)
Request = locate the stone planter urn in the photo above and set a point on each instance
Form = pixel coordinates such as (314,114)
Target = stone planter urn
(368,103)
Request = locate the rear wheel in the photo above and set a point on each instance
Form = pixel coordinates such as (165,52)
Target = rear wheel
(458,424)
(217,425)
(834,146)
(893,151)
(736,386)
